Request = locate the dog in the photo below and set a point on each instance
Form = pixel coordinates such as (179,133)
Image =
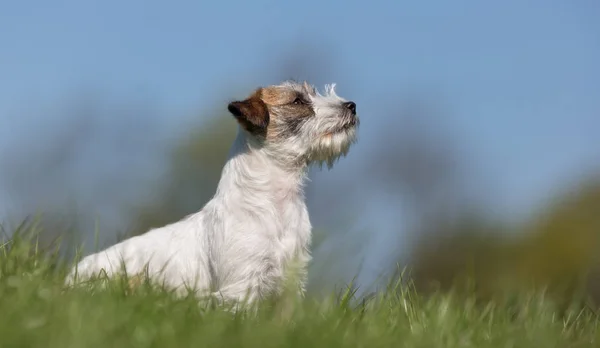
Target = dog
(252,239)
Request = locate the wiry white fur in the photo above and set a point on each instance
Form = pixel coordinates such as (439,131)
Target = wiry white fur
(329,148)
(255,232)
(318,141)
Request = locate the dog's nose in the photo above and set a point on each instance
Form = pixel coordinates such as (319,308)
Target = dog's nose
(350,106)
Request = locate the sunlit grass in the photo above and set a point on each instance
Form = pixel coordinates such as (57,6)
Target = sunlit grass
(36,310)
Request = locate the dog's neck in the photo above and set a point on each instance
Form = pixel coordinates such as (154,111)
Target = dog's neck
(252,169)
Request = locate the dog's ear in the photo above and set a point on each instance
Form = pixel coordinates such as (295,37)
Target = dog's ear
(251,113)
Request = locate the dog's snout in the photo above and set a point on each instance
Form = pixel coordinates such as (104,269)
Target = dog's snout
(350,106)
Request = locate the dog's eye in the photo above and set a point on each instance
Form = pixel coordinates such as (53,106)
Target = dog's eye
(298,101)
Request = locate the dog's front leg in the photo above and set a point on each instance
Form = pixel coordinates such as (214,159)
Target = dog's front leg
(264,279)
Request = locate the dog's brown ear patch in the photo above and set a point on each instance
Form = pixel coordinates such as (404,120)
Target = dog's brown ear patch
(251,113)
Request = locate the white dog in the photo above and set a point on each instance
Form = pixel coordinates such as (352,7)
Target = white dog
(254,235)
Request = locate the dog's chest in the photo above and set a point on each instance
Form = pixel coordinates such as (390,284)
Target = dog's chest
(295,228)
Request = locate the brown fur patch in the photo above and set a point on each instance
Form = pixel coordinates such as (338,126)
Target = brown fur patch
(276,96)
(290,116)
(257,112)
(251,113)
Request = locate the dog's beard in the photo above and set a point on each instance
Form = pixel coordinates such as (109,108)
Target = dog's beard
(329,148)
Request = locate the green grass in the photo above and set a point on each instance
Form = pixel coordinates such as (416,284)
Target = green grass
(37,311)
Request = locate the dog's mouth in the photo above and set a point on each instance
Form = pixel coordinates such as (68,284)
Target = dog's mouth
(351,124)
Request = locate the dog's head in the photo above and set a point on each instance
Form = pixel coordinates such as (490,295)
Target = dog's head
(297,122)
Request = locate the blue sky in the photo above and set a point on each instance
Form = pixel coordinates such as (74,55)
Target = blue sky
(521,78)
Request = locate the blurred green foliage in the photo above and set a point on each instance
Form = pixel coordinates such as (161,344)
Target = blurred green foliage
(557,250)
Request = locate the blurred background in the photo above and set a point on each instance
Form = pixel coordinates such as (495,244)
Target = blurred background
(478,153)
